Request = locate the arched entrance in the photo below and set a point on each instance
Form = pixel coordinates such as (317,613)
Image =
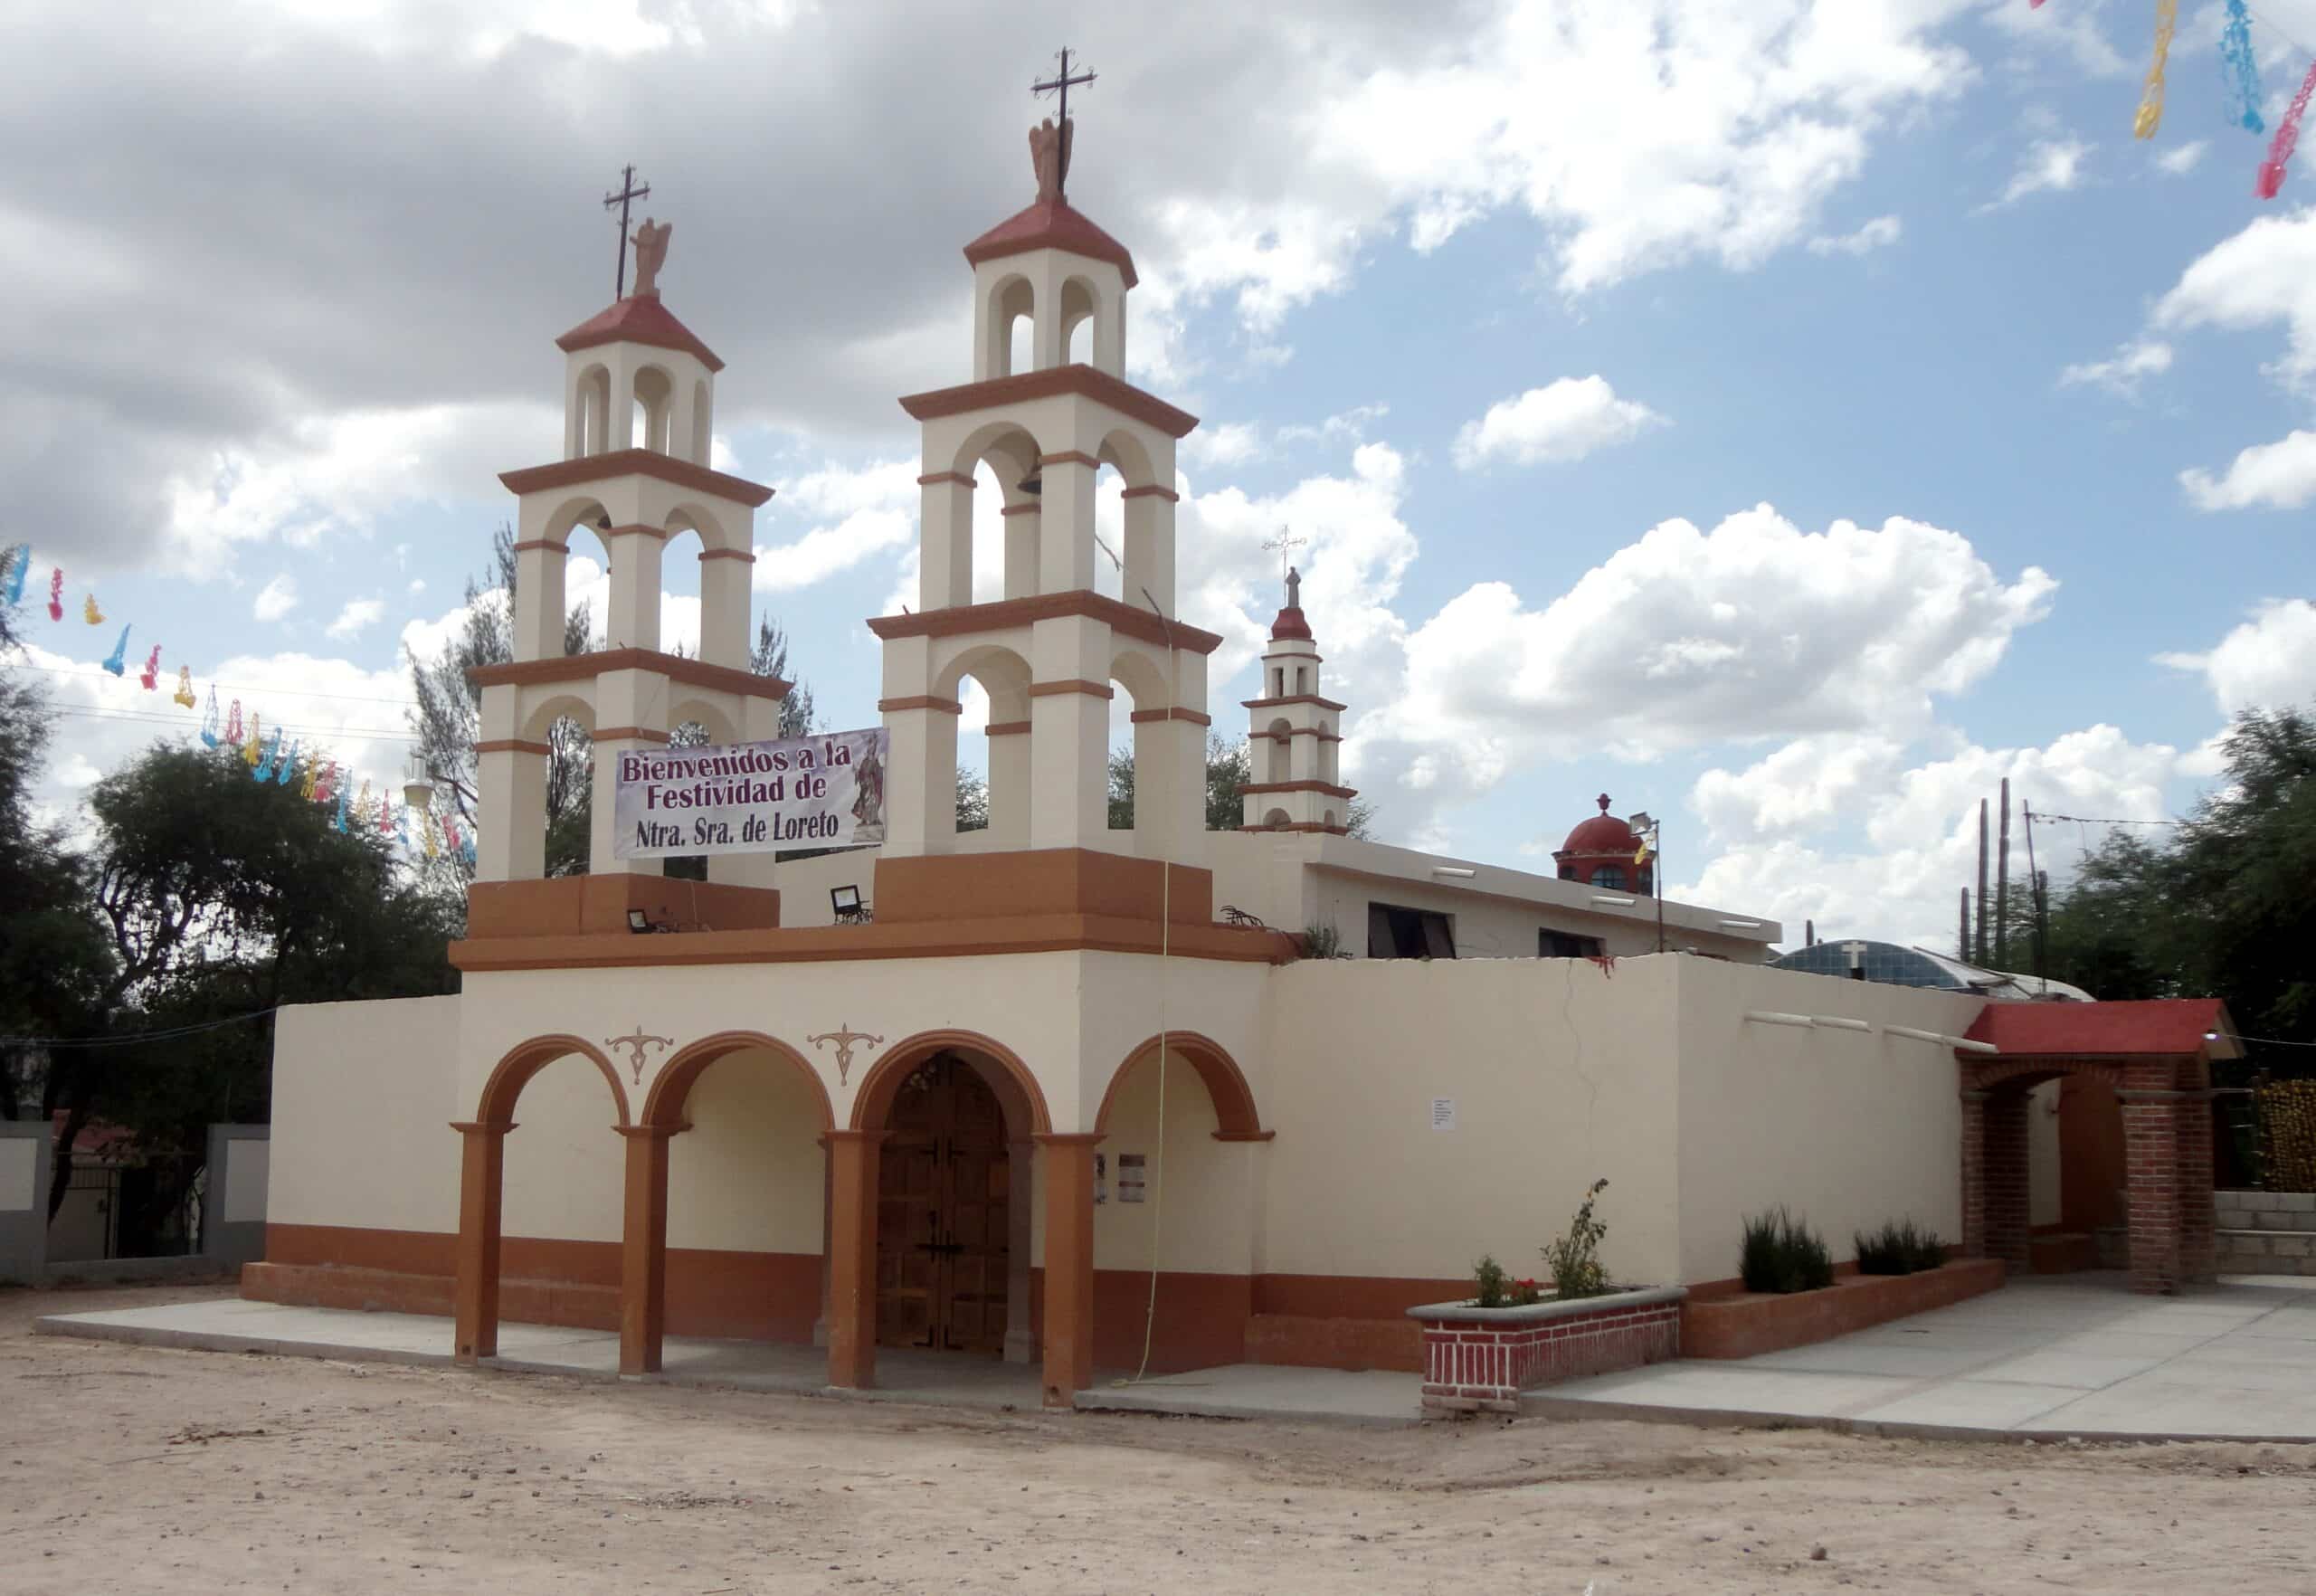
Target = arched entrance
(923,1109)
(2156,1057)
(482,1183)
(945,1195)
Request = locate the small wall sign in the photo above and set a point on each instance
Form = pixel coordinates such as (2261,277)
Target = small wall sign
(1130,1177)
(1443,1113)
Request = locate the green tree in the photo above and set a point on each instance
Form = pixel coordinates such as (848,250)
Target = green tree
(1229,766)
(220,897)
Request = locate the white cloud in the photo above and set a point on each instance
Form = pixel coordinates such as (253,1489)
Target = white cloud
(2281,475)
(2266,273)
(277,598)
(2050,166)
(1231,443)
(1562,422)
(2266,662)
(354,716)
(2121,374)
(357,617)
(1879,233)
(1753,630)
(1838,829)
(2180,161)
(876,508)
(417,585)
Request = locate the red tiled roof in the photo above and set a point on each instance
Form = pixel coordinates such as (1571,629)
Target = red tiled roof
(1050,224)
(1290,623)
(638,320)
(2159,1027)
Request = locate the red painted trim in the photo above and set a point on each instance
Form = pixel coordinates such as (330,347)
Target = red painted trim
(1081,380)
(1003,614)
(636,462)
(698,673)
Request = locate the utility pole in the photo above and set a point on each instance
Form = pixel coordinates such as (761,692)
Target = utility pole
(1978,955)
(2002,885)
(1962,937)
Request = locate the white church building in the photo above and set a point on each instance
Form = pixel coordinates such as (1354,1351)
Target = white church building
(1068,1090)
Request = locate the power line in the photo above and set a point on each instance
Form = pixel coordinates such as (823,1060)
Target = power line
(2084,820)
(233,687)
(145,718)
(135,1040)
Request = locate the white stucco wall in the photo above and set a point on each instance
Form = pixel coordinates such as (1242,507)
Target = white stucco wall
(1844,1129)
(1560,1072)
(748,1176)
(1197,1211)
(363,1098)
(19,1158)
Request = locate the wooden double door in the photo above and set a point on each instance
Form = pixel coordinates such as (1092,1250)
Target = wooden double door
(943,1197)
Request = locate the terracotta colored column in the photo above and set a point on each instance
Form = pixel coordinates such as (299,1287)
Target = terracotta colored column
(852,1257)
(1069,1265)
(644,1248)
(481,1184)
(1974,1174)
(2008,1216)
(2151,1166)
(2198,1221)
(1020,1341)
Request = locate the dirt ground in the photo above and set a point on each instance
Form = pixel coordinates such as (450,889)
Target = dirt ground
(138,1470)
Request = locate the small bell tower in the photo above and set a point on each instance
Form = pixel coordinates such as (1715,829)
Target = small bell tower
(1292,734)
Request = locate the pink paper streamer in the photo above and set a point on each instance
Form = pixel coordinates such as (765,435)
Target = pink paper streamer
(2287,139)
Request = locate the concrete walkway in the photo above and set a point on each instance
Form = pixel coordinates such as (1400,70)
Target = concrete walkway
(2074,1356)
(1241,1391)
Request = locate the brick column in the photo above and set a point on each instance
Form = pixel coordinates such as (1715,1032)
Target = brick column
(1069,1265)
(2151,1166)
(2008,1218)
(644,1248)
(852,1257)
(482,1182)
(1974,1174)
(2198,1218)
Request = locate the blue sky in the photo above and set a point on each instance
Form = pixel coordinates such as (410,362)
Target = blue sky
(1472,308)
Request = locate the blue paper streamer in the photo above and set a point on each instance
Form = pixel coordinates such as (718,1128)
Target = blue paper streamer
(19,566)
(118,660)
(262,771)
(209,719)
(288,768)
(2240,69)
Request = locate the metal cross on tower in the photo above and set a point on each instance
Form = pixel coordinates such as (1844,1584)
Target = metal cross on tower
(1061,82)
(627,196)
(1286,543)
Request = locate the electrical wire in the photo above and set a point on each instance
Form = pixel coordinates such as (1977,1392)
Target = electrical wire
(136,1039)
(230,686)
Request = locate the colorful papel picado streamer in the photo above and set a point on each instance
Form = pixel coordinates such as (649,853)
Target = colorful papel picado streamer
(118,660)
(232,720)
(56,594)
(262,767)
(326,783)
(2239,67)
(2150,100)
(208,716)
(19,566)
(2287,139)
(149,678)
(90,613)
(338,822)
(289,771)
(184,695)
(253,749)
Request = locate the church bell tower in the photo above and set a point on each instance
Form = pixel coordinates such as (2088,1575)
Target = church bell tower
(1037,427)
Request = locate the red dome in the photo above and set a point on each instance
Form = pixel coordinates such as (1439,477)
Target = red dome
(1603,834)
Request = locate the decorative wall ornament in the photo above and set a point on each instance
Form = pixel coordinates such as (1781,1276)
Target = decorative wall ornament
(845,1038)
(635,1043)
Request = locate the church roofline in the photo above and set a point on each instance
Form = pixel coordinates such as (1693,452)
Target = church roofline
(698,673)
(1000,614)
(637,463)
(1082,380)
(1292,699)
(639,319)
(1052,224)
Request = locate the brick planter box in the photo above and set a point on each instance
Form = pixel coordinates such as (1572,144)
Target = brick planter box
(1744,1324)
(1479,1360)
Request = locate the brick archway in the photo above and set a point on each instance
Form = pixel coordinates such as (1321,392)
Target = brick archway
(2157,1055)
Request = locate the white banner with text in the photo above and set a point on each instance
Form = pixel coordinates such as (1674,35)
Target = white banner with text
(819,791)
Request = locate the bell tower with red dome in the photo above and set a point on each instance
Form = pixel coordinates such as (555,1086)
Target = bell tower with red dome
(1293,739)
(1600,852)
